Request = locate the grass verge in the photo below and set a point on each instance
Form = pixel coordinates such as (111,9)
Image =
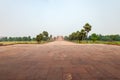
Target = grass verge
(99,42)
(5,43)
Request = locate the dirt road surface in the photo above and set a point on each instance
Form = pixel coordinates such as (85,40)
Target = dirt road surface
(60,60)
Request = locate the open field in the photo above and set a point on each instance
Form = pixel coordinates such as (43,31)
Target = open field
(60,60)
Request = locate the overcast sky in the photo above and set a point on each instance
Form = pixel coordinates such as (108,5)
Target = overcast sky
(58,17)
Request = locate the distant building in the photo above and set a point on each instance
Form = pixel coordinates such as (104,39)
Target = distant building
(60,38)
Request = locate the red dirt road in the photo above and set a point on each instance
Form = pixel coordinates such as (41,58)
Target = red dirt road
(60,60)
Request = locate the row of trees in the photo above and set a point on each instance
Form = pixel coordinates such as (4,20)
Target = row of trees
(44,36)
(100,37)
(80,35)
(83,35)
(28,38)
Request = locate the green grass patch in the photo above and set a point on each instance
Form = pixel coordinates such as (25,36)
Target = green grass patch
(99,42)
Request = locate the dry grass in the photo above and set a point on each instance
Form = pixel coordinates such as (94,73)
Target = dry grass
(5,43)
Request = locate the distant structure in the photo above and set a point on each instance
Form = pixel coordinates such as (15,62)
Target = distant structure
(59,38)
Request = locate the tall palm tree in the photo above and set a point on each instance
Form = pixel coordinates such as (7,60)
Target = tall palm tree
(87,28)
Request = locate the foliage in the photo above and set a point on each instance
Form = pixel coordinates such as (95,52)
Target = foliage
(87,28)
(50,38)
(39,38)
(16,38)
(94,37)
(82,34)
(79,35)
(44,36)
(115,37)
(45,33)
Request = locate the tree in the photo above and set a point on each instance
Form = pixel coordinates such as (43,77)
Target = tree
(29,38)
(39,38)
(94,37)
(50,37)
(66,38)
(83,34)
(73,36)
(45,35)
(87,28)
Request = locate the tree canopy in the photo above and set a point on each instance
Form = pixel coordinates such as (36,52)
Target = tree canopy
(44,36)
(80,35)
(94,37)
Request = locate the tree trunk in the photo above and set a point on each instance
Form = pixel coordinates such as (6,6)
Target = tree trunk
(87,37)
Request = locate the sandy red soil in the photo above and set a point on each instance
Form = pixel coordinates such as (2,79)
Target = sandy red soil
(60,60)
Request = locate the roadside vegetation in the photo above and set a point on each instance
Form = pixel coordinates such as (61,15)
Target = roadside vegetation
(43,37)
(82,37)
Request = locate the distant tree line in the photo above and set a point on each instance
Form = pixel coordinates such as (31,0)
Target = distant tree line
(83,35)
(100,37)
(80,35)
(44,36)
(17,38)
(93,37)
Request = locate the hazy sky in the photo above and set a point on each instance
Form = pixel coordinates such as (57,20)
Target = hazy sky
(58,17)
